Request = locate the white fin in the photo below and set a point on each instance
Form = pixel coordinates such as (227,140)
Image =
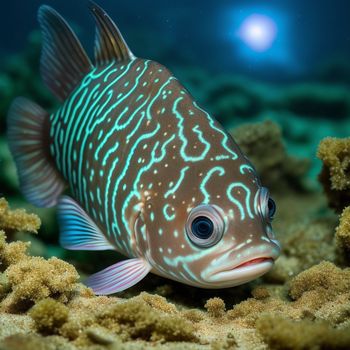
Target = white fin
(119,276)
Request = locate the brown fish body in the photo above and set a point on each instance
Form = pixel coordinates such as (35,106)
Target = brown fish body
(151,174)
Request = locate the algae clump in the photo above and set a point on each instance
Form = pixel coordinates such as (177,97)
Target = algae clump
(335,155)
(135,319)
(215,307)
(343,232)
(281,333)
(49,315)
(325,279)
(278,170)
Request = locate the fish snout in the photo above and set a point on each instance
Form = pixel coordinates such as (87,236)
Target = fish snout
(239,266)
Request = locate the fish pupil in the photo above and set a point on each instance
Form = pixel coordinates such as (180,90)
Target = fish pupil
(272,208)
(202,227)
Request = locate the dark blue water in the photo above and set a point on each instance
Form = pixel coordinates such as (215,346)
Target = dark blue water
(310,34)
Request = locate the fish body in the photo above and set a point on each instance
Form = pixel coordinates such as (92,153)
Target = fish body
(151,174)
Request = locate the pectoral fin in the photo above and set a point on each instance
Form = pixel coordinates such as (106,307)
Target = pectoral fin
(77,230)
(119,276)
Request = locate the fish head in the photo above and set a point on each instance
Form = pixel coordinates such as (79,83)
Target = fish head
(207,218)
(210,222)
(233,232)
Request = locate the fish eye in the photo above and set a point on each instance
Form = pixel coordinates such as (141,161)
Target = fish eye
(271,206)
(202,227)
(267,205)
(205,226)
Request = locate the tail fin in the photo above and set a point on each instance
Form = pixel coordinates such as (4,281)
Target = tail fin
(27,133)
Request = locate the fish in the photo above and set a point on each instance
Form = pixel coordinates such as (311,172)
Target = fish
(133,164)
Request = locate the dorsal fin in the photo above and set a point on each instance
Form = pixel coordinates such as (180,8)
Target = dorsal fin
(109,44)
(64,62)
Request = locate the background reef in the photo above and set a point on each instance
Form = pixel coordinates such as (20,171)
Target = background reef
(297,136)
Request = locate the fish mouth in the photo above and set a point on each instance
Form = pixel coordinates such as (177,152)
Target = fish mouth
(241,273)
(253,262)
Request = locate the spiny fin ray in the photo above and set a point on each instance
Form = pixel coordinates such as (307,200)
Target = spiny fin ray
(109,44)
(64,62)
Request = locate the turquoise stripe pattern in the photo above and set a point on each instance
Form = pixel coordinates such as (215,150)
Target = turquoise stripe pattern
(130,140)
(150,173)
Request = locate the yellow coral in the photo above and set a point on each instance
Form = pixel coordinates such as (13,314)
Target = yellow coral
(260,292)
(325,279)
(18,219)
(158,302)
(11,253)
(76,324)
(31,279)
(215,307)
(335,155)
(35,278)
(193,315)
(343,231)
(248,311)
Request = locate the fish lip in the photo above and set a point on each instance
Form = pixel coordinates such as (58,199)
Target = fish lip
(240,275)
(251,263)
(254,261)
(242,272)
(271,252)
(257,260)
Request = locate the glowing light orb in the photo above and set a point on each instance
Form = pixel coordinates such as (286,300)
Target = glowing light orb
(258,32)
